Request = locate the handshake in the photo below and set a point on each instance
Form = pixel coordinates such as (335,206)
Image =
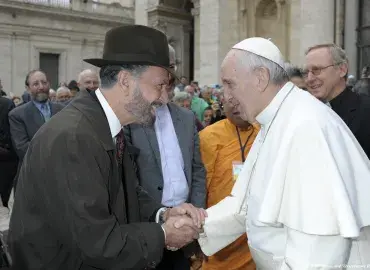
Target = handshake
(182,225)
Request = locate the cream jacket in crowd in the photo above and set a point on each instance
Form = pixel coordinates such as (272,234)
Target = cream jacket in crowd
(303,196)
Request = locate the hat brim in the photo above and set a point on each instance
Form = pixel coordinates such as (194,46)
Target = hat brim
(103,62)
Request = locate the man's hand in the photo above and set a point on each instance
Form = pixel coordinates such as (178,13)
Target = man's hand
(198,215)
(180,231)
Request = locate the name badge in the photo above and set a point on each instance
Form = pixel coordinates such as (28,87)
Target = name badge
(237,167)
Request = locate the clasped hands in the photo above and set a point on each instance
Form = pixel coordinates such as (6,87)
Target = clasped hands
(183,225)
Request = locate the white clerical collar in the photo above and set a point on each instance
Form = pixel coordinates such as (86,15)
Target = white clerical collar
(113,121)
(266,116)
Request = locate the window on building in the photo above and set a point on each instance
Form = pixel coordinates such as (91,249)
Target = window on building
(49,63)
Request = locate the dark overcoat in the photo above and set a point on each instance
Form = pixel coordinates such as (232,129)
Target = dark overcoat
(72,210)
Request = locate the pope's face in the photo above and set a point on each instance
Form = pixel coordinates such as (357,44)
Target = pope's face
(239,87)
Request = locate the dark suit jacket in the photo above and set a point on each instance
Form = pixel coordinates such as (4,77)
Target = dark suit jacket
(8,158)
(72,210)
(354,109)
(149,159)
(6,105)
(25,121)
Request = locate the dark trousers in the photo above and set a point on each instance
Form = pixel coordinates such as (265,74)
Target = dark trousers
(174,260)
(8,170)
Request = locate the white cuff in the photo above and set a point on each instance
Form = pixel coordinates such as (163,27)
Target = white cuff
(164,231)
(160,211)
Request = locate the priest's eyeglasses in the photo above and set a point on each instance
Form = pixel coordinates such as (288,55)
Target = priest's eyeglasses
(316,71)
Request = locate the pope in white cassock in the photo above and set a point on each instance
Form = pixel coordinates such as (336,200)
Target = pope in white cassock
(303,195)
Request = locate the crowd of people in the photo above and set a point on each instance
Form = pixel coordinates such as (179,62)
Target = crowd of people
(113,170)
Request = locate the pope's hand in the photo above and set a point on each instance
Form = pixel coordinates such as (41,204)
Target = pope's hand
(198,215)
(180,231)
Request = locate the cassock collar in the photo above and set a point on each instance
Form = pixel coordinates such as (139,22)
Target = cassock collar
(113,121)
(266,116)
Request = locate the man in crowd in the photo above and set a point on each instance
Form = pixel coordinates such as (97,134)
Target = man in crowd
(206,94)
(8,158)
(326,74)
(27,119)
(296,76)
(198,105)
(63,95)
(26,97)
(73,87)
(2,92)
(169,163)
(88,80)
(195,84)
(52,95)
(183,99)
(78,204)
(181,86)
(302,195)
(224,147)
(172,79)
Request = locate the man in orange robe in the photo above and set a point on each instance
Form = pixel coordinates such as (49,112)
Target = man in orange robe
(224,147)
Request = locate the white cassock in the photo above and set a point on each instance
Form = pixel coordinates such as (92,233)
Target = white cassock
(303,196)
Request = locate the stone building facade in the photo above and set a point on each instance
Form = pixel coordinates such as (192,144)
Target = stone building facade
(173,17)
(294,25)
(54,35)
(201,31)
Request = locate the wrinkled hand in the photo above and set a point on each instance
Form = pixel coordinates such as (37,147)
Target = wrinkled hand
(180,231)
(198,215)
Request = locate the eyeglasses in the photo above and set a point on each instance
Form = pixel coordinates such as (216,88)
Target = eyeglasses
(316,71)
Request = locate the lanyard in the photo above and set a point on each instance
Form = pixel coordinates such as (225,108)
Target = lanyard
(242,147)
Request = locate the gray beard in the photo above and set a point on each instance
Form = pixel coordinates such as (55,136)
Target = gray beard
(41,97)
(141,109)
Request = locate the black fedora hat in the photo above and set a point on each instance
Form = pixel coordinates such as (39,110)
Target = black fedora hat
(134,45)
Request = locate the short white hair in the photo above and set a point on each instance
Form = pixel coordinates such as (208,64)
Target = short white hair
(253,61)
(63,89)
(51,91)
(86,72)
(187,87)
(206,88)
(181,97)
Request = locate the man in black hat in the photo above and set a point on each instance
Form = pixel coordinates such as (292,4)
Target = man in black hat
(83,208)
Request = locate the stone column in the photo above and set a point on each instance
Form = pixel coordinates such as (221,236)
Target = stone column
(185,63)
(6,62)
(294,28)
(317,23)
(175,22)
(141,14)
(350,34)
(195,12)
(339,22)
(20,60)
(209,41)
